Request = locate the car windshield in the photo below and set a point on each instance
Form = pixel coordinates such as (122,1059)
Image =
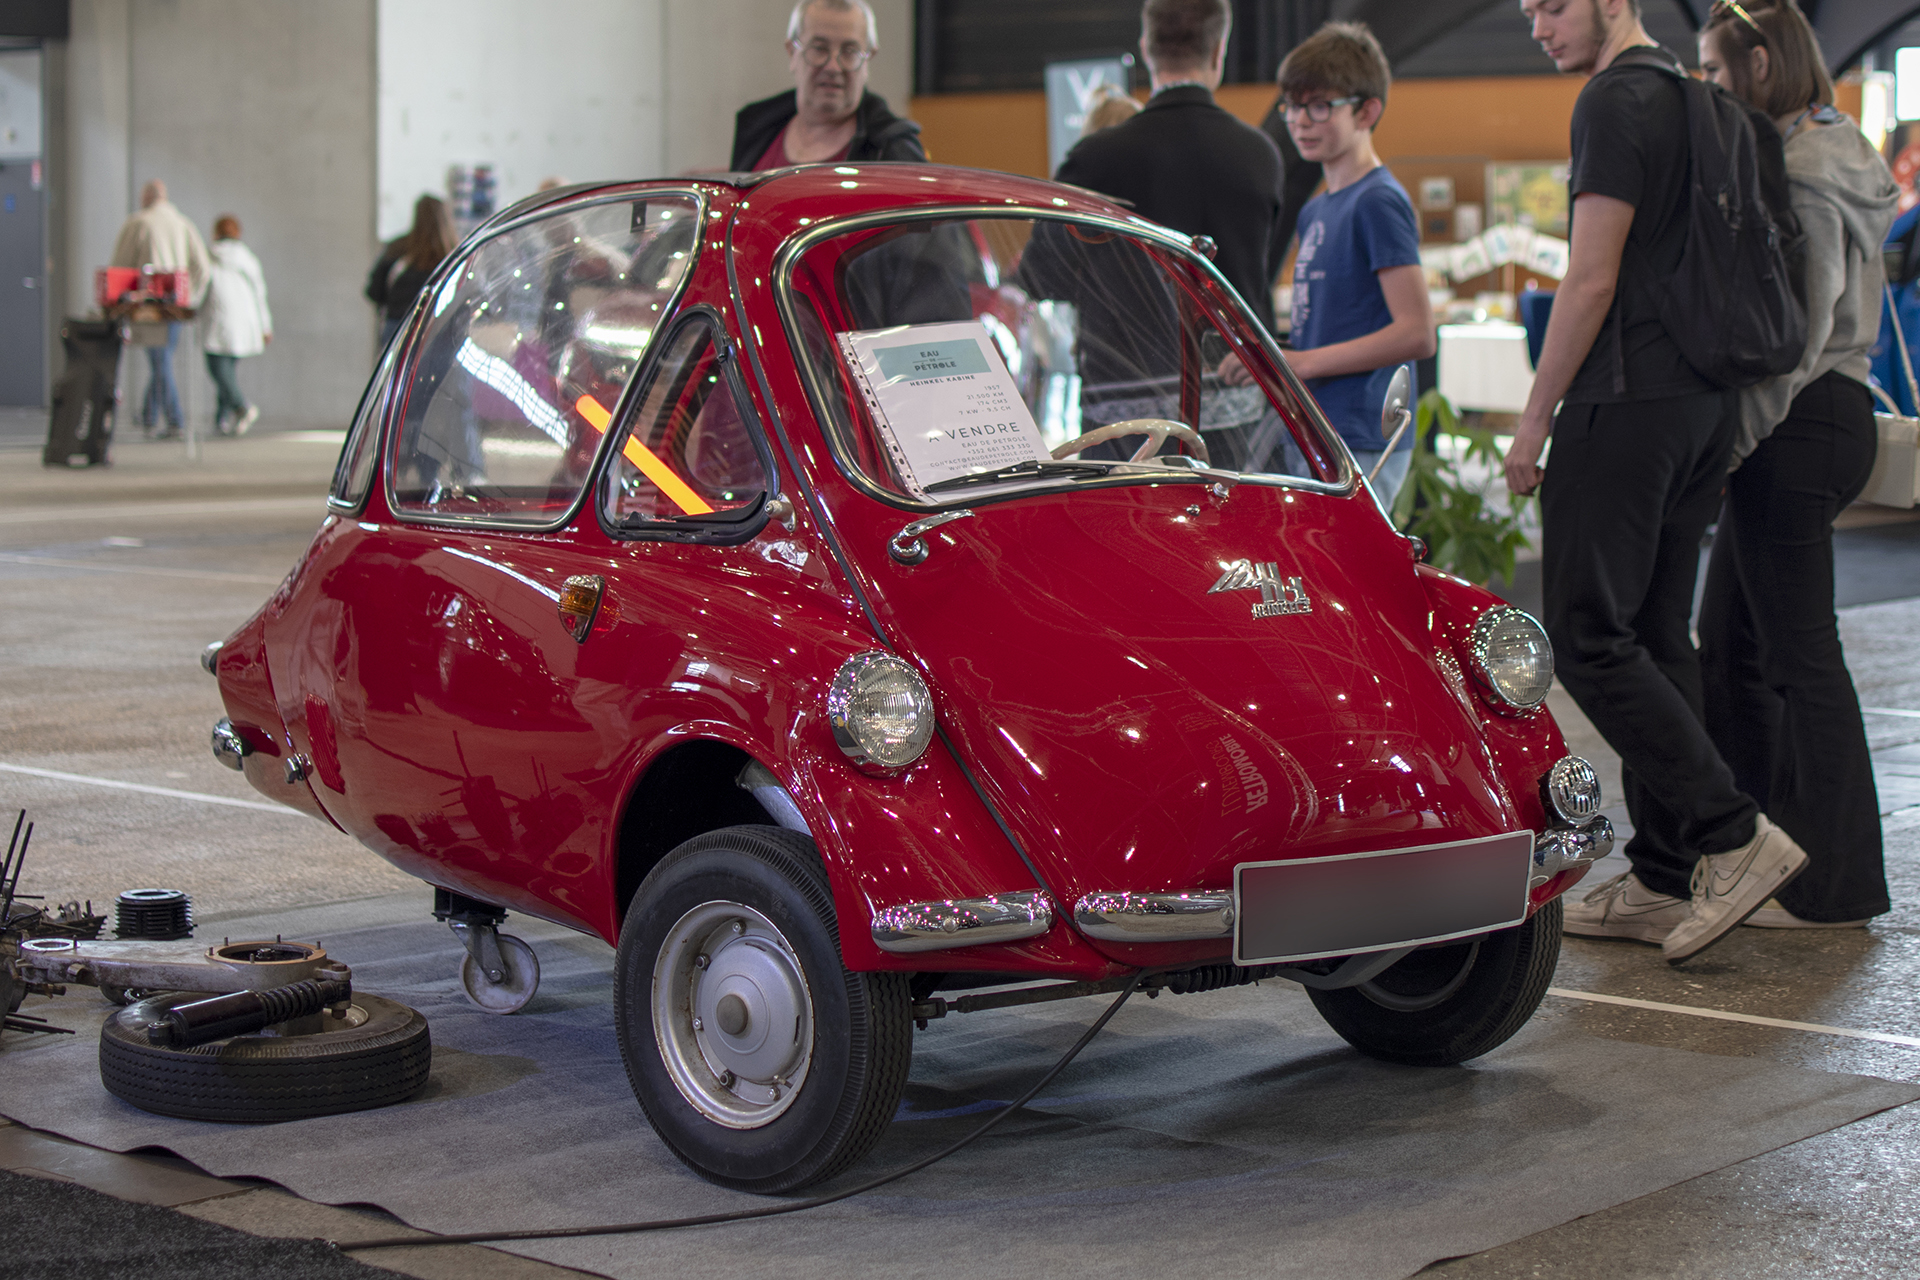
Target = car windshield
(959,355)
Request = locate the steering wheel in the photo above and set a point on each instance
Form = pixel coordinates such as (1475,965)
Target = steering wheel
(1156,431)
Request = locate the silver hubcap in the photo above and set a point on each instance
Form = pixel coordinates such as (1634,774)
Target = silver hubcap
(1415,1002)
(732,1014)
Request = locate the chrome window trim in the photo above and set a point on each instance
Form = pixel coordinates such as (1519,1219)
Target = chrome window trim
(378,427)
(796,246)
(484,235)
(618,426)
(962,922)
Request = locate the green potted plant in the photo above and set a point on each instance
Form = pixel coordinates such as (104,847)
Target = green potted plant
(1440,504)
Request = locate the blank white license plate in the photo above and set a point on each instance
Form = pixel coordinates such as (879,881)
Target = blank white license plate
(1310,908)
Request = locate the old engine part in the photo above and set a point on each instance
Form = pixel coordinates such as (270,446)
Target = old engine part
(162,915)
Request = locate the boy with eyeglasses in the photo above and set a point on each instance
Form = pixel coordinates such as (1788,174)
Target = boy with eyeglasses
(1360,307)
(829,115)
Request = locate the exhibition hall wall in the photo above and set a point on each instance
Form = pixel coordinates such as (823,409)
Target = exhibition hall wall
(318,122)
(259,108)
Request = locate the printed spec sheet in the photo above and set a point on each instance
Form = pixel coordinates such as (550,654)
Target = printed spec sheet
(943,400)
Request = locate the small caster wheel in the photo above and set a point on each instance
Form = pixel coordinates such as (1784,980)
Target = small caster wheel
(511,993)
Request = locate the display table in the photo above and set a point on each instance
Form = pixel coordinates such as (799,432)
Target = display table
(1485,367)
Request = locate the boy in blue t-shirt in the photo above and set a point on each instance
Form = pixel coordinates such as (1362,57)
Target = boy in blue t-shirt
(1360,306)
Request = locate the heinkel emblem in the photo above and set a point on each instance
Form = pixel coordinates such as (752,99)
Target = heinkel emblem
(1277,596)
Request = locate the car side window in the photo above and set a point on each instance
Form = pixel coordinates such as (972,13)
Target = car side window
(690,462)
(527,347)
(354,474)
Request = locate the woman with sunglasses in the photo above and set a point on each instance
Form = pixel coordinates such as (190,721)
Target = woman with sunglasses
(1780,704)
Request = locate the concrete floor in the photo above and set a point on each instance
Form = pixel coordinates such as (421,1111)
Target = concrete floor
(112,580)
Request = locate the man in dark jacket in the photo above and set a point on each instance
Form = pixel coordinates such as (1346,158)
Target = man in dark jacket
(1185,162)
(828,115)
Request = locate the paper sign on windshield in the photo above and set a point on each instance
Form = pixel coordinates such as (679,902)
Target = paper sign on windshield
(943,400)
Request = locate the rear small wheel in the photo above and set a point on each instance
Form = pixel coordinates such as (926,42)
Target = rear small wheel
(758,1058)
(1447,1004)
(511,993)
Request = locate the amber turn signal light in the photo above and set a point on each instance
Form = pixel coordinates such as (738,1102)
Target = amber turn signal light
(579,602)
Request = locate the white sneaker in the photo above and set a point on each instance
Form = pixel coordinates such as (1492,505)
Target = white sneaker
(1729,887)
(1624,908)
(247,420)
(1772,915)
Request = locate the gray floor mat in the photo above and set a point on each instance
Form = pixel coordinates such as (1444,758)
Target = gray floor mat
(1223,1135)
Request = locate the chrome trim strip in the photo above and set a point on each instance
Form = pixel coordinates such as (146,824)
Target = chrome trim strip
(1155,917)
(475,241)
(795,246)
(1560,849)
(962,922)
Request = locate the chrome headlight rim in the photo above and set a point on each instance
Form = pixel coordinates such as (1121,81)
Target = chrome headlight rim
(1572,789)
(843,719)
(1480,646)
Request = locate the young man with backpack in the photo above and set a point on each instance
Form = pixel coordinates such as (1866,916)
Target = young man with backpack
(1642,441)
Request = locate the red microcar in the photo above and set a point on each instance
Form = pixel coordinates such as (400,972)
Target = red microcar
(844,585)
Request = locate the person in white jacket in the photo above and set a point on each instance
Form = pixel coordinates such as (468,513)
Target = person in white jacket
(237,320)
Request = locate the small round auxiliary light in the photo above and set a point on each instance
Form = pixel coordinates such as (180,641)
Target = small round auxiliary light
(880,710)
(1512,657)
(1573,789)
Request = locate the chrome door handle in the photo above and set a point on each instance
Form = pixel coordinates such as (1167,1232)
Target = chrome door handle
(909,547)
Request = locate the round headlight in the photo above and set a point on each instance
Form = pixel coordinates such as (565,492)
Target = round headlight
(1573,789)
(880,710)
(1512,657)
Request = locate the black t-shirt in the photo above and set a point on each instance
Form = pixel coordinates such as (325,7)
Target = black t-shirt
(1630,143)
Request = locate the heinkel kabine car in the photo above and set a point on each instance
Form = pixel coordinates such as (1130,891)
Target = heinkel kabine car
(847,584)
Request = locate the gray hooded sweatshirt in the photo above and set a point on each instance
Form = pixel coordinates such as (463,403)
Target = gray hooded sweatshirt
(1846,200)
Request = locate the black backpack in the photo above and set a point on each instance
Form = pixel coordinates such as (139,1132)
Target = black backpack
(1735,303)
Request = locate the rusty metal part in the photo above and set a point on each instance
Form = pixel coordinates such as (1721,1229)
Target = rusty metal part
(176,966)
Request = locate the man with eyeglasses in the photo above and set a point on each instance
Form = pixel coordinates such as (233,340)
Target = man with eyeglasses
(829,115)
(1641,446)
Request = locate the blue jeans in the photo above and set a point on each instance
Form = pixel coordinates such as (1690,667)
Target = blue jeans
(1392,476)
(231,403)
(162,394)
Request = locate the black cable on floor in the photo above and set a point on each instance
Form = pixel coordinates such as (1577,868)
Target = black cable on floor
(771,1211)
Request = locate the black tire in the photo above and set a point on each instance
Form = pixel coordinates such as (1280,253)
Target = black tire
(861,1033)
(1509,975)
(260,1079)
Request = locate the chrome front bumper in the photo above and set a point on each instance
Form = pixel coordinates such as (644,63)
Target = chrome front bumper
(1559,849)
(962,922)
(1155,917)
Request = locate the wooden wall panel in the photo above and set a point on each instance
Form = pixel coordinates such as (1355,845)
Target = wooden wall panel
(1501,118)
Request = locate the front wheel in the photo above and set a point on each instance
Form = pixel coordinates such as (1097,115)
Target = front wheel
(758,1058)
(1446,1004)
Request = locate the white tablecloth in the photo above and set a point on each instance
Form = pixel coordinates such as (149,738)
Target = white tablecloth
(1484,366)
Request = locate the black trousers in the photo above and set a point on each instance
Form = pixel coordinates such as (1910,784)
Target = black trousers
(1629,492)
(1780,704)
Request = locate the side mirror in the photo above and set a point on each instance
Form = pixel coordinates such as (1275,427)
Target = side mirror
(1394,415)
(1399,391)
